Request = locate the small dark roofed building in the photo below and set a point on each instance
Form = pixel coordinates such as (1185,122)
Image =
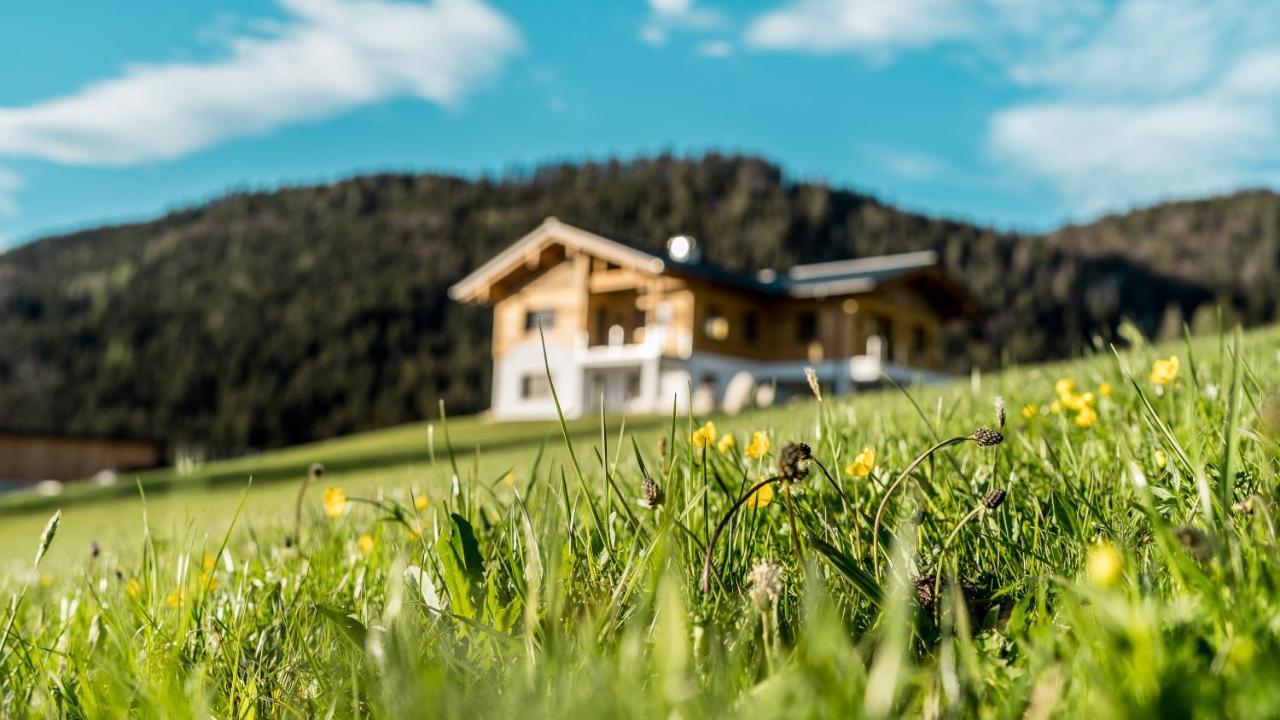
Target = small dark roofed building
(28,457)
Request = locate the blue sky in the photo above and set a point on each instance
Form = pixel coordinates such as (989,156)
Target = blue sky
(1018,113)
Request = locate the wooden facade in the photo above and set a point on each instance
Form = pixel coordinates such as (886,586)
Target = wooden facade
(633,326)
(27,457)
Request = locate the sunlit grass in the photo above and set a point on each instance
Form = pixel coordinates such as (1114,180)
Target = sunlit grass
(1119,565)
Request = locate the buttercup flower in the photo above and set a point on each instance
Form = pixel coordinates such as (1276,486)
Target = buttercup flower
(1104,565)
(1165,370)
(335,502)
(759,445)
(863,464)
(366,543)
(1160,458)
(1064,386)
(132,588)
(1105,389)
(1086,417)
(760,498)
(1056,407)
(510,479)
(726,443)
(704,436)
(420,502)
(1030,411)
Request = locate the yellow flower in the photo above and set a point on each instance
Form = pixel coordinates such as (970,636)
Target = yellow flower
(704,436)
(1056,407)
(208,583)
(1030,411)
(726,443)
(45,581)
(1064,387)
(1086,417)
(1079,402)
(420,502)
(1104,565)
(1160,458)
(132,588)
(366,543)
(1164,371)
(510,479)
(761,497)
(335,502)
(863,464)
(415,535)
(1105,389)
(176,597)
(207,562)
(759,445)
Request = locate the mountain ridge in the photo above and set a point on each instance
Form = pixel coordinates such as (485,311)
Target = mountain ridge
(271,317)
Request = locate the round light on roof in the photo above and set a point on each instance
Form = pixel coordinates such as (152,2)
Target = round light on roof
(681,248)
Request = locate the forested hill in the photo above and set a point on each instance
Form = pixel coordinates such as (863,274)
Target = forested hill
(263,319)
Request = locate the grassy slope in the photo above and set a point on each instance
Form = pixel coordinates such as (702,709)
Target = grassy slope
(206,498)
(571,619)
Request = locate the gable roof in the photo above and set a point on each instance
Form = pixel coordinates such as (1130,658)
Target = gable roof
(815,280)
(551,230)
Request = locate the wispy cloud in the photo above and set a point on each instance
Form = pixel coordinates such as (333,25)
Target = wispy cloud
(860,25)
(1165,98)
(668,15)
(330,56)
(1128,101)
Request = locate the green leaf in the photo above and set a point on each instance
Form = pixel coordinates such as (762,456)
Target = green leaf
(859,578)
(352,628)
(462,566)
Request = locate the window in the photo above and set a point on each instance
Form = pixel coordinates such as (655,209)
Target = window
(533,317)
(535,387)
(807,327)
(919,344)
(633,385)
(717,325)
(750,326)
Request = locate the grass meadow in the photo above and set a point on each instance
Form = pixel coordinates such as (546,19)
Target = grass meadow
(1107,550)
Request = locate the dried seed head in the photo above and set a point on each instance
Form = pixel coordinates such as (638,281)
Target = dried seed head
(94,550)
(976,600)
(662,446)
(986,437)
(765,585)
(315,471)
(919,516)
(994,498)
(793,461)
(1194,541)
(1000,413)
(812,378)
(651,495)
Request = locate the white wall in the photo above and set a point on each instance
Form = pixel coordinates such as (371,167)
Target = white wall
(526,359)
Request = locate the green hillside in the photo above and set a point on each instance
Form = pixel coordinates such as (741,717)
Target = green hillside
(273,318)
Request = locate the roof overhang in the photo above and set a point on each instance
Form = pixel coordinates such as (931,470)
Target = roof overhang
(475,286)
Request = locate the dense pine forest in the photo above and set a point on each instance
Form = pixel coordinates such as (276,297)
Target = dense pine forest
(263,319)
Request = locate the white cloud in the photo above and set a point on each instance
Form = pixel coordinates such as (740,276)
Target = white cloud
(866,25)
(668,15)
(715,49)
(1128,101)
(1165,99)
(329,57)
